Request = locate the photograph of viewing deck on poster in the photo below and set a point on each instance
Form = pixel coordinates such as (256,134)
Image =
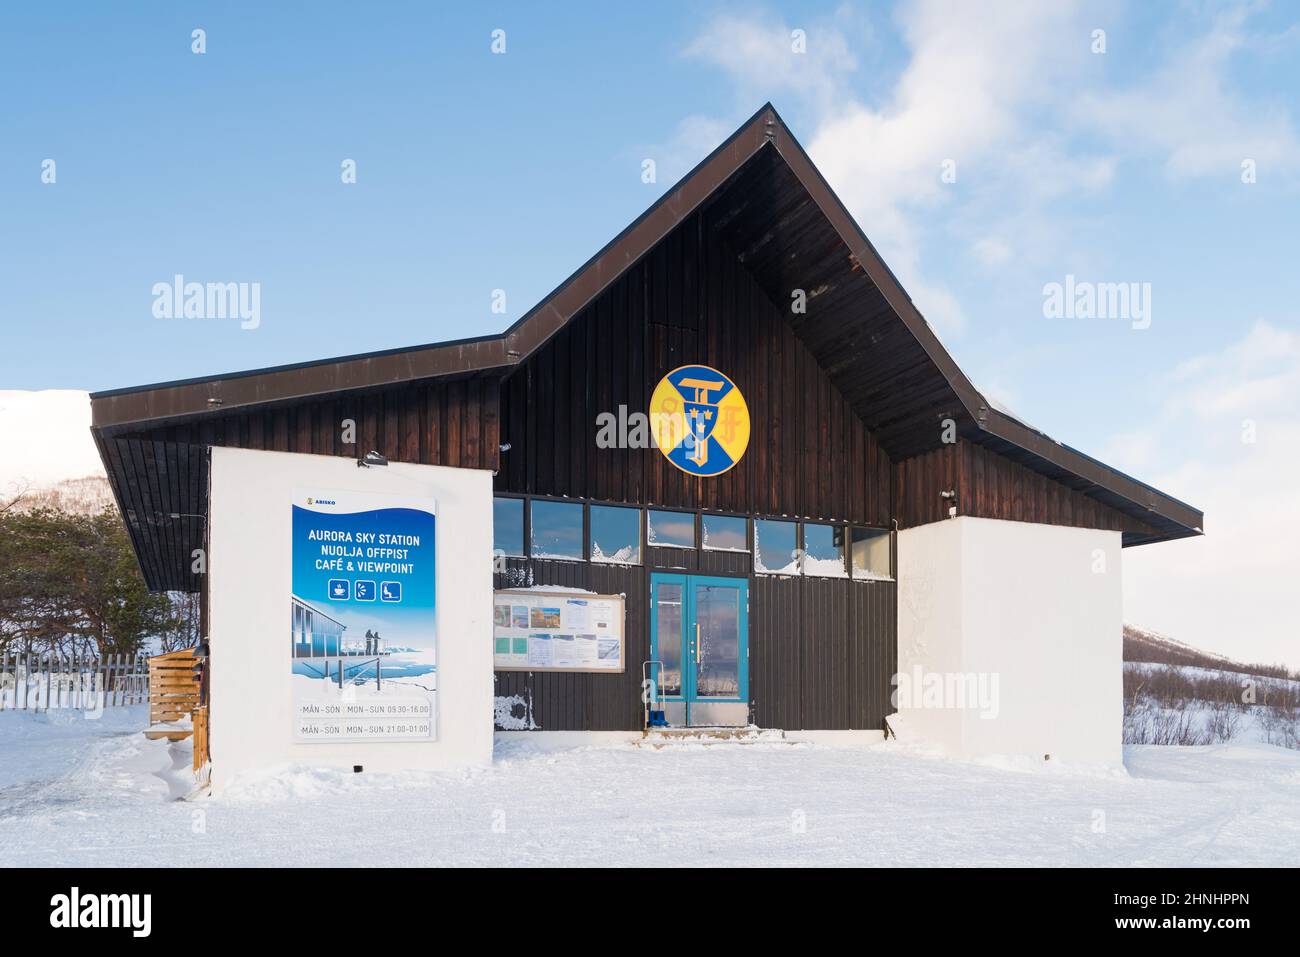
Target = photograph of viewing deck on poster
(363,645)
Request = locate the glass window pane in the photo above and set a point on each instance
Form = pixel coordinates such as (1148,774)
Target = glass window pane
(775,547)
(668,634)
(557,530)
(723,533)
(508,526)
(615,535)
(670,528)
(870,553)
(717,613)
(823,550)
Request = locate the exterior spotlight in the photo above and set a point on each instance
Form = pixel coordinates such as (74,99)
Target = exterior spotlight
(950,496)
(372,460)
(162,519)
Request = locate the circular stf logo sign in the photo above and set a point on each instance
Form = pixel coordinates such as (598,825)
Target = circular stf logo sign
(699,420)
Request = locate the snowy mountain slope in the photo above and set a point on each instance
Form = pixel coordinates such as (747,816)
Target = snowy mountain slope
(1141,644)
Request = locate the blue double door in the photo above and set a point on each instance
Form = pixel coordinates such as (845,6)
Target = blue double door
(699,643)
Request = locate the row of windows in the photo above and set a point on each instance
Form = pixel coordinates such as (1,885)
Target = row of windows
(574,531)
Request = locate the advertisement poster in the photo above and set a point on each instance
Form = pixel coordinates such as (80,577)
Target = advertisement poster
(557,631)
(364,636)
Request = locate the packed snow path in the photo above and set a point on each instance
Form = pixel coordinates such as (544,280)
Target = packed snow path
(77,792)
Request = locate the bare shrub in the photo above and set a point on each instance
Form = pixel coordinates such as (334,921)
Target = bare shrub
(1169,686)
(1285,697)
(1186,706)
(1281,726)
(1221,722)
(1146,722)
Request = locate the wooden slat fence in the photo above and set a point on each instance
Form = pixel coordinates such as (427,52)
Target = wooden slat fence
(173,686)
(201,756)
(43,682)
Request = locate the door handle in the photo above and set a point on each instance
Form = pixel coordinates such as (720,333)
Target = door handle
(697,642)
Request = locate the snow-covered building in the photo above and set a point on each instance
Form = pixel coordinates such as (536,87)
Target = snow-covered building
(732,417)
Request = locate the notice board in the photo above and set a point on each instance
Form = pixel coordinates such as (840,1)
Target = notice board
(557,631)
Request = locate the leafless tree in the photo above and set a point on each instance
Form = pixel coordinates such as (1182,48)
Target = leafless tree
(15,495)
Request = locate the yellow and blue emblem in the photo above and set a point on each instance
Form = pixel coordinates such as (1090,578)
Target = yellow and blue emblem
(699,420)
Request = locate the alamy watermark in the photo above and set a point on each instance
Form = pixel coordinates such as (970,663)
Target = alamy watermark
(637,430)
(1081,299)
(179,299)
(76,909)
(947,690)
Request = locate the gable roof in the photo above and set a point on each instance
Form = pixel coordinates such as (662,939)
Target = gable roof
(775,210)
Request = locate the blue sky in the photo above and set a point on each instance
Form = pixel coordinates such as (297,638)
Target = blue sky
(479,171)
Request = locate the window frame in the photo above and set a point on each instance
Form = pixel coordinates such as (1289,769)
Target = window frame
(695,522)
(893,557)
(583,534)
(798,545)
(749,532)
(642,517)
(523,519)
(698,516)
(845,557)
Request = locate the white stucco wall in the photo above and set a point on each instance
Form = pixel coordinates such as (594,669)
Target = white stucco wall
(930,599)
(250,583)
(1036,608)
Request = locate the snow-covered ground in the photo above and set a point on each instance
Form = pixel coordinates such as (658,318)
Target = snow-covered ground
(97,793)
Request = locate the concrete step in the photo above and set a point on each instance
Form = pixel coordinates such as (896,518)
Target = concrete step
(666,737)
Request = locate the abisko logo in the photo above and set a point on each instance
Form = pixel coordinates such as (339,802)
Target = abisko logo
(102,910)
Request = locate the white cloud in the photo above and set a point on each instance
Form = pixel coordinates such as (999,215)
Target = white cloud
(991,251)
(1232,590)
(973,73)
(1130,451)
(1188,113)
(1013,95)
(757,53)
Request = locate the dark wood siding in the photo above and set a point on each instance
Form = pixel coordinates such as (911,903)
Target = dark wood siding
(690,301)
(821,650)
(164,469)
(433,422)
(989,485)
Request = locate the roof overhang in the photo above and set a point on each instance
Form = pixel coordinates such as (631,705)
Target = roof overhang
(769,204)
